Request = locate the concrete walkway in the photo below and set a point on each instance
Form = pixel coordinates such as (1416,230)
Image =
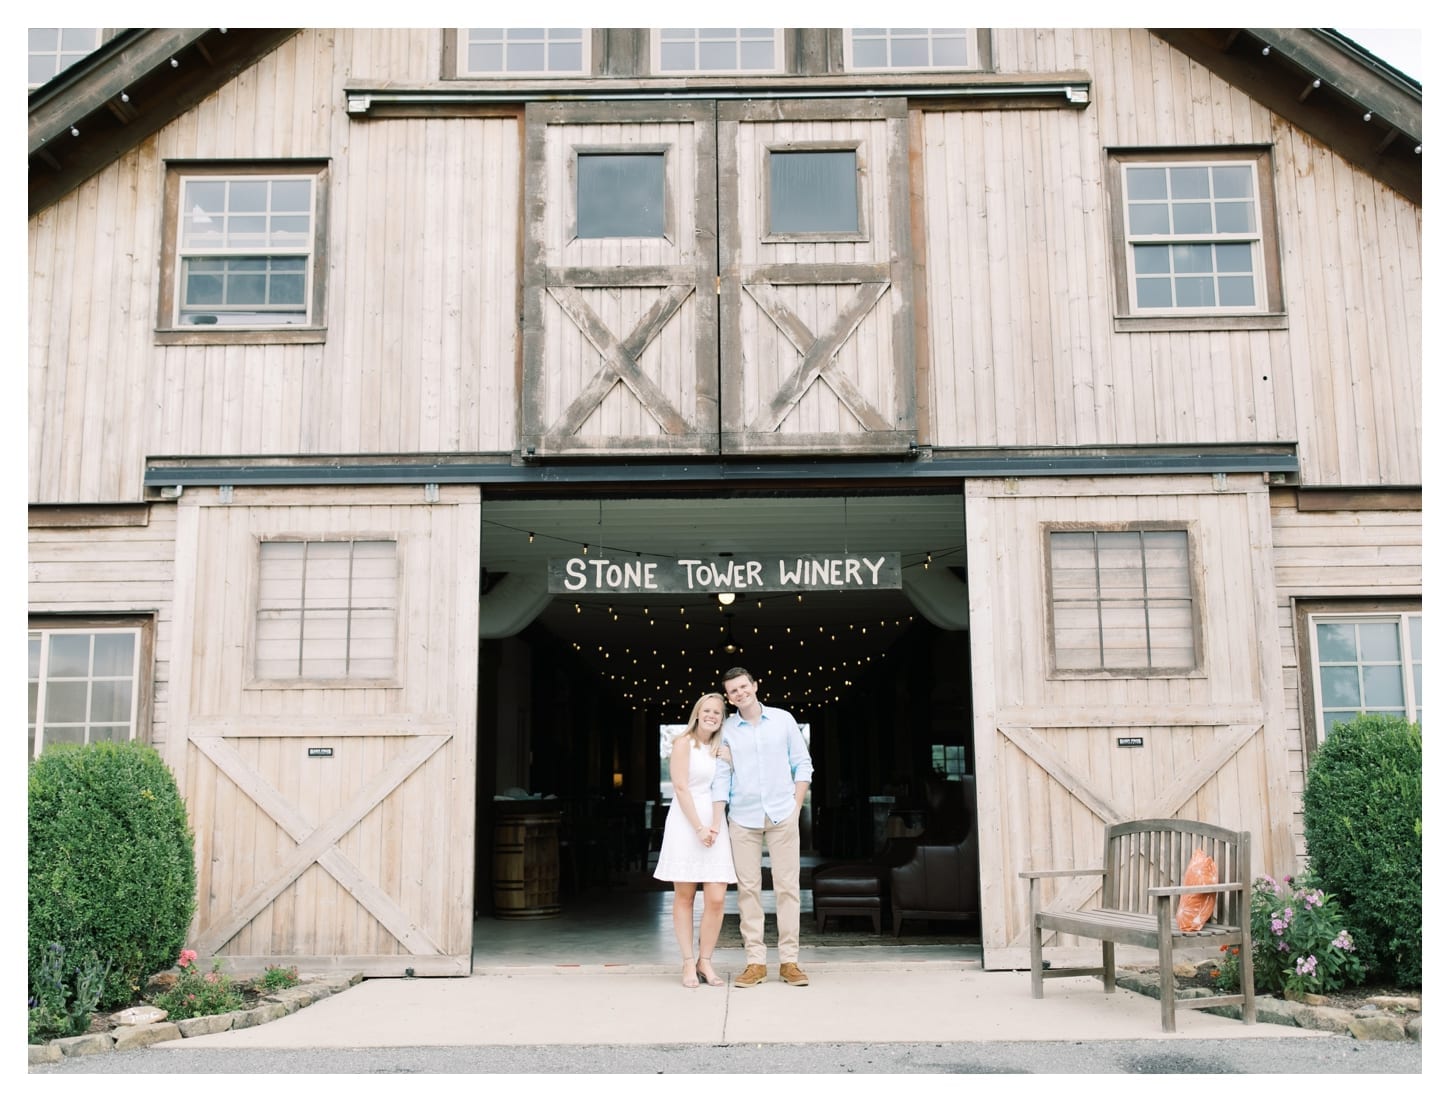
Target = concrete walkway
(847,1001)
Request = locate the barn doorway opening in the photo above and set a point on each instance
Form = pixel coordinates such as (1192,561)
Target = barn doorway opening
(574,689)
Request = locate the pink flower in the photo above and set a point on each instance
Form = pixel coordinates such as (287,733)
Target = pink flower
(188,956)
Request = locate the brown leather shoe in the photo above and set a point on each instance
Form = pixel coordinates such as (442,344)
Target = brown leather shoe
(753,974)
(792,974)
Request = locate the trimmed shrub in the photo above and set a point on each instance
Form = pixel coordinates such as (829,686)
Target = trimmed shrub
(111,868)
(1362,824)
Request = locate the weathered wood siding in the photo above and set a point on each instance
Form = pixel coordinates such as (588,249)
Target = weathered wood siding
(364,857)
(113,570)
(421,353)
(1366,555)
(1018,265)
(422,287)
(1049,770)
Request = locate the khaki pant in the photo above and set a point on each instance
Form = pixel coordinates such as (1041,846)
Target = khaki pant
(783,841)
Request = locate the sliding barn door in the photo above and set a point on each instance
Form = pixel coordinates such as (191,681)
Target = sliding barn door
(323,678)
(1125,665)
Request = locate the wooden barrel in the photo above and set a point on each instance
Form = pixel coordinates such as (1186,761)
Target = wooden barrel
(526,864)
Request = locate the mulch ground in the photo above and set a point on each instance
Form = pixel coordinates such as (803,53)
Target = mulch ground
(1350,998)
(105,1022)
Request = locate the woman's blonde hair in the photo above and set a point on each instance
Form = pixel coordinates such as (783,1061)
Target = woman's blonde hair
(693,726)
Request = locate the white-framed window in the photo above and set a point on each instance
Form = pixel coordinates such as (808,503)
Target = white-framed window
(1121,601)
(245,249)
(523,51)
(878,49)
(83,685)
(717,49)
(327,610)
(1193,231)
(1365,663)
(55,48)
(1194,234)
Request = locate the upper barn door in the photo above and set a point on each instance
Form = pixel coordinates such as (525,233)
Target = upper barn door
(620,344)
(323,684)
(816,328)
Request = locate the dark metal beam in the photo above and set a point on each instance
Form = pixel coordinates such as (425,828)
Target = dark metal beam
(892,472)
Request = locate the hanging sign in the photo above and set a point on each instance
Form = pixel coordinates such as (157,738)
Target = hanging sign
(760,574)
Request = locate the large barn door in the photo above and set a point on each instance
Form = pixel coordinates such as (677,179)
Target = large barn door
(816,333)
(620,344)
(323,677)
(1058,567)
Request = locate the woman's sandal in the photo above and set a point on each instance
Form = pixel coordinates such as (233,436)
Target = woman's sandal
(690,972)
(712,979)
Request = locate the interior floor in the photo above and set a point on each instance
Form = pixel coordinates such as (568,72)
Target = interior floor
(634,929)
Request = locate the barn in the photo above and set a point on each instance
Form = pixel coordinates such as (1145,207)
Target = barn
(419,420)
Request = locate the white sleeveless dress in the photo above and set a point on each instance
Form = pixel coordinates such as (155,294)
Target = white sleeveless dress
(683,857)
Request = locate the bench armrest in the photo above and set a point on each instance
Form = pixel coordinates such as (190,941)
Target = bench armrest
(1037,874)
(1196,889)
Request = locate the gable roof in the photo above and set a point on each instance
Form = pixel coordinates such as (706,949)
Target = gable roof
(1367,111)
(92,112)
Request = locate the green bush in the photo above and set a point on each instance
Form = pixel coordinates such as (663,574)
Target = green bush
(111,868)
(198,994)
(58,1007)
(277,977)
(1362,825)
(1301,943)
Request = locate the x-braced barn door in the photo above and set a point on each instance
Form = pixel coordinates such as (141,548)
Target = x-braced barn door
(619,279)
(816,328)
(322,724)
(793,333)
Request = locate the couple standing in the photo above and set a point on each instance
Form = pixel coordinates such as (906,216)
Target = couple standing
(756,761)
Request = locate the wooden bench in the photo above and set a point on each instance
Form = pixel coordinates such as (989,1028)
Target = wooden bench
(1142,877)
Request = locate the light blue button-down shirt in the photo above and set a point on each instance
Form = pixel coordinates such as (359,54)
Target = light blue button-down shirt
(768,759)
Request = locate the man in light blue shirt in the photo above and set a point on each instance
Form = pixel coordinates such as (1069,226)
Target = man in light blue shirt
(764,779)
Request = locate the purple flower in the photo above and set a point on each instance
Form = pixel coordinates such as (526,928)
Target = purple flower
(1283,946)
(1306,965)
(1344,941)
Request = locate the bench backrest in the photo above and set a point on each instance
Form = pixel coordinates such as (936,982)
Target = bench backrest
(1153,853)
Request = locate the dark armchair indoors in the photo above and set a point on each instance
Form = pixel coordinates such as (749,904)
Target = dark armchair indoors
(940,868)
(940,880)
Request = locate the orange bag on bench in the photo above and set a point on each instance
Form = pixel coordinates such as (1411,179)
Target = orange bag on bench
(1194,910)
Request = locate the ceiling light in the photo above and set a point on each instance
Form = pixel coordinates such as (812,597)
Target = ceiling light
(730,646)
(725,598)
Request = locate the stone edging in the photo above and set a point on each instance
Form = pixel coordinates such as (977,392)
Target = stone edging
(1369,1023)
(276,1005)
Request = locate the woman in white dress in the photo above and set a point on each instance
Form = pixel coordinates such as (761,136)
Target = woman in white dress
(695,848)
